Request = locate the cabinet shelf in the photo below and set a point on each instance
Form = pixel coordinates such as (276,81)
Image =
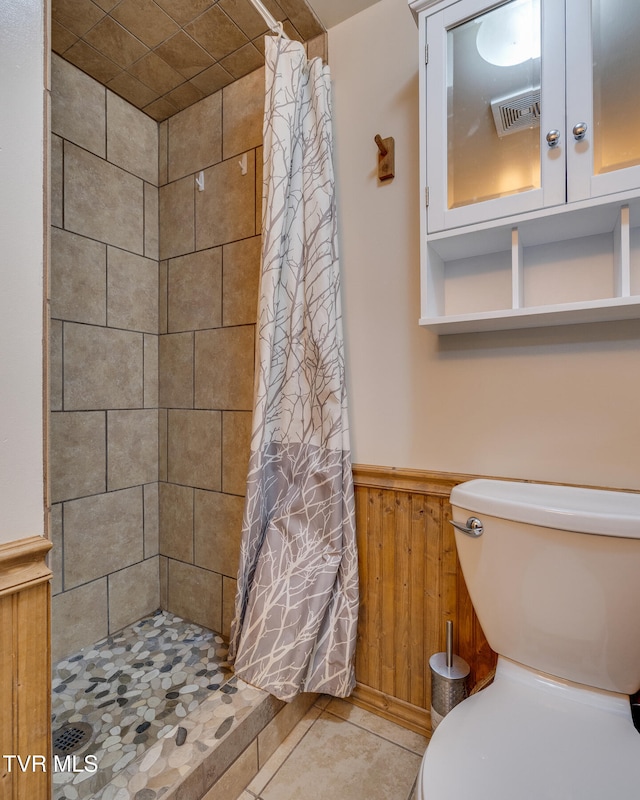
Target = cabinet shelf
(618,308)
(578,263)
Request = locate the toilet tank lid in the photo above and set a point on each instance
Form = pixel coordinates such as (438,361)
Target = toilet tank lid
(569,508)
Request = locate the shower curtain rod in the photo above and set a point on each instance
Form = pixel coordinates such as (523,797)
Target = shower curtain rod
(273,24)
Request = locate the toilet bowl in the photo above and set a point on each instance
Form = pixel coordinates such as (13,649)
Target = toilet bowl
(554,576)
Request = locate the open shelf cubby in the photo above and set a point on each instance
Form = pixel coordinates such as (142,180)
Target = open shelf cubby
(552,267)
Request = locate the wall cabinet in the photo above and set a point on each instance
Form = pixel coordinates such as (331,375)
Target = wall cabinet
(530,159)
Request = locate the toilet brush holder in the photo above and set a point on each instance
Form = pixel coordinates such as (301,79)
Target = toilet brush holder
(449,680)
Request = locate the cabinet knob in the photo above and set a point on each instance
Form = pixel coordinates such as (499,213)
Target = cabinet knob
(579,131)
(553,137)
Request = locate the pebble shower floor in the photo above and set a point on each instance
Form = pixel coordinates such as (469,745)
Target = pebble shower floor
(132,689)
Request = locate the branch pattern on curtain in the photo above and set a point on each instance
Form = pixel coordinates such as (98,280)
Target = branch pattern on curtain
(297,598)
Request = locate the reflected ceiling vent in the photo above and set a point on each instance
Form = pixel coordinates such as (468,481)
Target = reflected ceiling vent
(516,112)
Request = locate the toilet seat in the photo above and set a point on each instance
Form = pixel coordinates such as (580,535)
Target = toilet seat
(533,737)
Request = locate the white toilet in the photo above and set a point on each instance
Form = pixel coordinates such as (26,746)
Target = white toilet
(554,576)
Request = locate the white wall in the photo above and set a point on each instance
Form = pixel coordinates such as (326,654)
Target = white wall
(557,404)
(21,268)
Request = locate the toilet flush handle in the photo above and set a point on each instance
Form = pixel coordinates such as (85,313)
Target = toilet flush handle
(473,527)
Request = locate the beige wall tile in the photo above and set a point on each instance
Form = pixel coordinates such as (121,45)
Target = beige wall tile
(162,444)
(246,17)
(102,368)
(236,778)
(163,153)
(236,443)
(114,42)
(132,139)
(132,89)
(301,15)
(194,448)
(151,222)
(195,594)
(177,218)
(318,47)
(195,291)
(162,297)
(243,113)
(224,368)
(185,95)
(243,61)
(78,111)
(241,279)
(132,448)
(156,73)
(184,55)
(56,181)
(195,137)
(145,20)
(102,201)
(92,62)
(216,33)
(229,587)
(102,534)
(259,188)
(78,15)
(151,520)
(132,291)
(61,38)
(78,618)
(151,371)
(78,278)
(160,109)
(134,592)
(176,521)
(217,531)
(212,80)
(221,222)
(56,552)
(55,365)
(77,454)
(186,10)
(164,581)
(176,370)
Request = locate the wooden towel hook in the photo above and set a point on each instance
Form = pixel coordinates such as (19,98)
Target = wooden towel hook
(386,157)
(381,145)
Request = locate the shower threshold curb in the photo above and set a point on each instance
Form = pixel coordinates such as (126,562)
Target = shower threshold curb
(217,732)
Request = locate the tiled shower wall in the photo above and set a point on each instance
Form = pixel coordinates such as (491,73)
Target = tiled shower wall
(104,357)
(111,305)
(153,307)
(210,251)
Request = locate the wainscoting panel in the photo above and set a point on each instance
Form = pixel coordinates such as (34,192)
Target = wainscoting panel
(25,669)
(410,585)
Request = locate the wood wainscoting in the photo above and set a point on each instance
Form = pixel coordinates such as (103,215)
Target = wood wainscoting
(25,669)
(410,584)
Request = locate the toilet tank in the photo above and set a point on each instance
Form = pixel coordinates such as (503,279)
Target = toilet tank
(555,577)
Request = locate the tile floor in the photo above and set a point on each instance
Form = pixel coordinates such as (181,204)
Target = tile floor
(339,750)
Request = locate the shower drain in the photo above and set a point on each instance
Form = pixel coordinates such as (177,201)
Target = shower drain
(70,738)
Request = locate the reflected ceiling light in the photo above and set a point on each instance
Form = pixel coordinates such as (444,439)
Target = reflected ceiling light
(510,34)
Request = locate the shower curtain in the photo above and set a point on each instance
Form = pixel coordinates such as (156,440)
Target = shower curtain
(297,598)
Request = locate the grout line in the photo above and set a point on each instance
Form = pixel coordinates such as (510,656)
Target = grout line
(374,733)
(285,749)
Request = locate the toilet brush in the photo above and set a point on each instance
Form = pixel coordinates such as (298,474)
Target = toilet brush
(449,680)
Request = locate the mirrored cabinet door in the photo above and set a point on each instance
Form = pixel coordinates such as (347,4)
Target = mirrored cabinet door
(490,72)
(603,116)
